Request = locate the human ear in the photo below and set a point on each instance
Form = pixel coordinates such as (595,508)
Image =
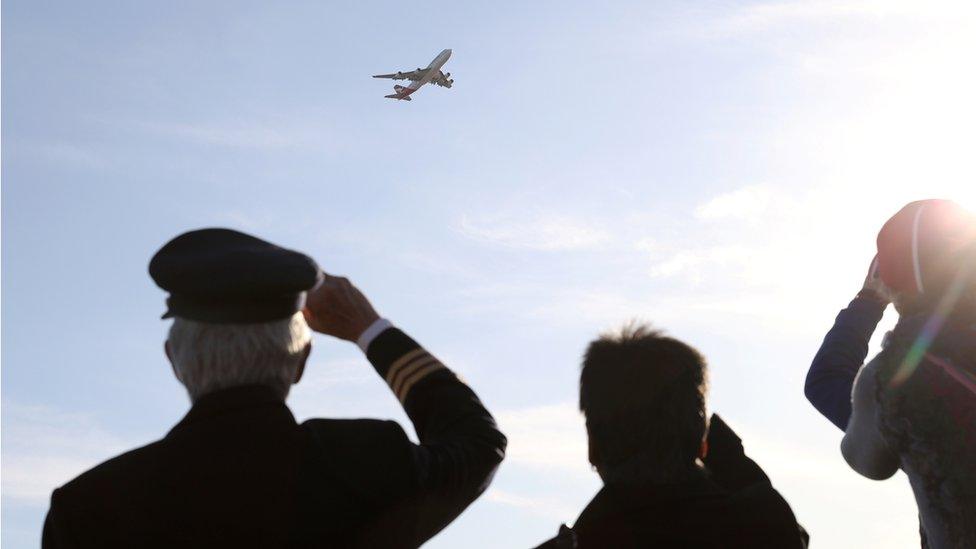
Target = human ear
(592,454)
(169,357)
(301,365)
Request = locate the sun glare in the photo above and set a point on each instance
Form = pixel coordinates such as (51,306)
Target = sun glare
(915,139)
(965,194)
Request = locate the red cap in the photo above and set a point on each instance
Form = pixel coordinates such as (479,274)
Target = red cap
(921,247)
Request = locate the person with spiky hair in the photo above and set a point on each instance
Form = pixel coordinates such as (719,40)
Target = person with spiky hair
(913,407)
(672,477)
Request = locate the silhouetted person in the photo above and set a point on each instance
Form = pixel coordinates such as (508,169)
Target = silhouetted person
(914,405)
(238,470)
(671,477)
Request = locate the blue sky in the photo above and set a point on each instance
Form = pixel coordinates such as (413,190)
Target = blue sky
(717,168)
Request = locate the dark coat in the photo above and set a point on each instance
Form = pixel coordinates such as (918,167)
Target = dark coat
(239,471)
(730,504)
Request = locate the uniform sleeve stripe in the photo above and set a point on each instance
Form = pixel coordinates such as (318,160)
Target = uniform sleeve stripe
(417,376)
(407,371)
(395,367)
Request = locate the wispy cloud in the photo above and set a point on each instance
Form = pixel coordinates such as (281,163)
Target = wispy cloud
(546,470)
(327,374)
(44,448)
(247,220)
(546,437)
(809,475)
(551,507)
(692,262)
(744,203)
(245,136)
(57,153)
(544,232)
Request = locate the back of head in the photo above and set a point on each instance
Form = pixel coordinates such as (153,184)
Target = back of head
(926,252)
(643,395)
(208,357)
(236,302)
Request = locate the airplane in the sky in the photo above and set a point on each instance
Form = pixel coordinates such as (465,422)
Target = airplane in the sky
(420,77)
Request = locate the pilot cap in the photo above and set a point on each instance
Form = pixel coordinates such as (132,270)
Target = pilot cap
(224,276)
(923,246)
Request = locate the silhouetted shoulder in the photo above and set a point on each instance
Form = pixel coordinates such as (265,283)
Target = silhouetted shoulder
(375,456)
(110,477)
(113,492)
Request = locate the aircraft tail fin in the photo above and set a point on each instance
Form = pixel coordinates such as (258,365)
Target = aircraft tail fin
(401,93)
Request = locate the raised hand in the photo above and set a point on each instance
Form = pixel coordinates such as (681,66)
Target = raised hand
(339,309)
(874,285)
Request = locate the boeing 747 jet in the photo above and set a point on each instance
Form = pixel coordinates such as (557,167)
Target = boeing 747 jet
(420,77)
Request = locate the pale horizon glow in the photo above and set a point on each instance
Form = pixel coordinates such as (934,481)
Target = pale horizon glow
(719,170)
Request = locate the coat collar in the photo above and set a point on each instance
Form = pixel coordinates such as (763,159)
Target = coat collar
(614,499)
(229,401)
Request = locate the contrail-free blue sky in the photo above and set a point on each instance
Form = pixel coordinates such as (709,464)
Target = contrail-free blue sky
(719,169)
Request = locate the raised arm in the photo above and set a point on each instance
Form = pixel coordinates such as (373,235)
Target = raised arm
(842,353)
(726,459)
(730,468)
(460,444)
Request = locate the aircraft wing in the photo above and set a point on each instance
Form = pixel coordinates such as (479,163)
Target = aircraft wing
(443,80)
(409,75)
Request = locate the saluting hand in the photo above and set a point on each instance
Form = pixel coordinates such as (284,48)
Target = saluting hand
(874,284)
(339,309)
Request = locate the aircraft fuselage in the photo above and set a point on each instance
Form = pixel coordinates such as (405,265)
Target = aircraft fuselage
(403,92)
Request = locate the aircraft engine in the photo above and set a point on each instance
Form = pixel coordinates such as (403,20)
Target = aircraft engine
(448,75)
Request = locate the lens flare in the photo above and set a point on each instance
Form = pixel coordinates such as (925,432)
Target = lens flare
(933,326)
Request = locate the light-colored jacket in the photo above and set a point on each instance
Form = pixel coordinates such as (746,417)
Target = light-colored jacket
(866,452)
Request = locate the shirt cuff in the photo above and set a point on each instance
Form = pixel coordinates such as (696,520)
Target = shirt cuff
(378,326)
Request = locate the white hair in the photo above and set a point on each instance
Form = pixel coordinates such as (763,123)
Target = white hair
(209,357)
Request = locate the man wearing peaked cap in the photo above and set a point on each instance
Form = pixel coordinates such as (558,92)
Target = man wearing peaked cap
(238,470)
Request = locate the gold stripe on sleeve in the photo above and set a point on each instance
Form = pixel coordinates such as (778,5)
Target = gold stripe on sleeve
(407,371)
(391,373)
(419,375)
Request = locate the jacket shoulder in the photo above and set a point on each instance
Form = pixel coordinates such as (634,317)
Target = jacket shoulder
(355,428)
(374,455)
(110,480)
(761,510)
(125,464)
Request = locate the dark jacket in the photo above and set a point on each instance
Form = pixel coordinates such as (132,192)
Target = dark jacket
(239,471)
(731,504)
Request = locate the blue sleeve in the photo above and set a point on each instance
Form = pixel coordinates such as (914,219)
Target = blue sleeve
(831,376)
